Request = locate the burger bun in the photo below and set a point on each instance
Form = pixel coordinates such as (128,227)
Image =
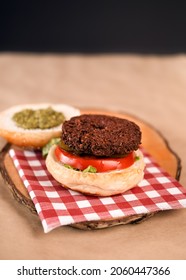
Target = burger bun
(100,183)
(34,138)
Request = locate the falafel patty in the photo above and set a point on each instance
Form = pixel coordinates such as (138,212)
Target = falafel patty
(101,135)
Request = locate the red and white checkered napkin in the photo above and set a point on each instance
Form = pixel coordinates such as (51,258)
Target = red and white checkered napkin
(57,206)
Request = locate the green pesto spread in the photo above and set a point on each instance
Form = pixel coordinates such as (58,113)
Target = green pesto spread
(41,118)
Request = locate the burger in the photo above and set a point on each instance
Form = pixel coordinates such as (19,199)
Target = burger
(97,155)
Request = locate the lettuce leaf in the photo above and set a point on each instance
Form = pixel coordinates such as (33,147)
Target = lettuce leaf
(47,147)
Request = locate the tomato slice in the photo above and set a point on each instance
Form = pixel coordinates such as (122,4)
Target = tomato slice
(101,164)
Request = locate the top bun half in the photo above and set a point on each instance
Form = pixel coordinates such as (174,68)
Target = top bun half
(35,138)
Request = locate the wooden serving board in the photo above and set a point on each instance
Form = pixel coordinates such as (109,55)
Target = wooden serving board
(152,141)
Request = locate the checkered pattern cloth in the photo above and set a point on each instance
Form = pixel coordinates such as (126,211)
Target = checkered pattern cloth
(57,206)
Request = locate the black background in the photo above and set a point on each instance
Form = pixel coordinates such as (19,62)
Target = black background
(93,26)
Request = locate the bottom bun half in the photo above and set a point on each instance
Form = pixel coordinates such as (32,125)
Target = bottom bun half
(98,184)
